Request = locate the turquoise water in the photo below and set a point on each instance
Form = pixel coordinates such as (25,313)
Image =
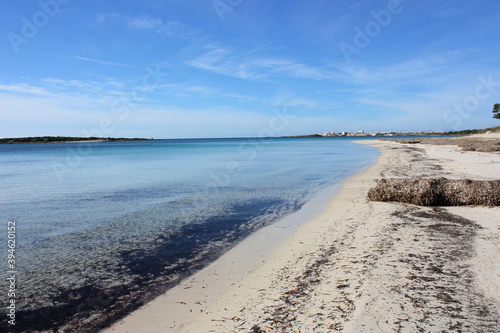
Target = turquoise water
(101,224)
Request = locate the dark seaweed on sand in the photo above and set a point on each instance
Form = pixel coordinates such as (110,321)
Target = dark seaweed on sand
(466,143)
(437,192)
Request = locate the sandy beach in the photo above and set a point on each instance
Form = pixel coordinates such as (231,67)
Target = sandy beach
(357,266)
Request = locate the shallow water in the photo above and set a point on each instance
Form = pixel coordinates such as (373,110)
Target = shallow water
(102,228)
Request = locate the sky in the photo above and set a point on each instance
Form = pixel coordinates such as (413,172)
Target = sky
(246,68)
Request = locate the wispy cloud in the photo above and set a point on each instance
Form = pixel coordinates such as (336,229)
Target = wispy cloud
(144,22)
(194,90)
(420,69)
(448,12)
(65,85)
(151,24)
(355,5)
(25,88)
(187,89)
(103,62)
(176,29)
(62,89)
(294,69)
(223,61)
(107,17)
(289,99)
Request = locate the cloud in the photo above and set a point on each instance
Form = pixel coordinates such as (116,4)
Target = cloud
(144,22)
(187,90)
(290,99)
(151,24)
(355,5)
(431,72)
(25,88)
(74,92)
(448,12)
(100,61)
(293,69)
(175,29)
(60,85)
(223,61)
(107,17)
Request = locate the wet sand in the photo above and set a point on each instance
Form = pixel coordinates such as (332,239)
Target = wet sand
(358,266)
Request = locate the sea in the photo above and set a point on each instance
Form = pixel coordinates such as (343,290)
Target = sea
(94,230)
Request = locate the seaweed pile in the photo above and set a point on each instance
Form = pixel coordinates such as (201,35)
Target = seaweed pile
(437,191)
(466,143)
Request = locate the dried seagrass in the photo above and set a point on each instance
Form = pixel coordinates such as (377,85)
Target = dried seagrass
(437,191)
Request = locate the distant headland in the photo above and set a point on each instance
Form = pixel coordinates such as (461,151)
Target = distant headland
(61,139)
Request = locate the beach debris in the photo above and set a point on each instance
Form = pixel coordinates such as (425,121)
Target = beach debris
(466,143)
(257,329)
(437,191)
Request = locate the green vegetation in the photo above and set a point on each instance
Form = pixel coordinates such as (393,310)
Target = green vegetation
(496,111)
(473,131)
(304,136)
(53,139)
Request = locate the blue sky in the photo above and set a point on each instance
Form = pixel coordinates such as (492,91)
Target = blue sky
(235,68)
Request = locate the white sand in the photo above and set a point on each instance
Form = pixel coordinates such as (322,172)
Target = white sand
(358,266)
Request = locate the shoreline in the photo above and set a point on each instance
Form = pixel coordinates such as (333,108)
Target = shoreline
(356,266)
(182,305)
(169,233)
(205,287)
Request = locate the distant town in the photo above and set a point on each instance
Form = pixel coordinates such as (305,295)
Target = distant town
(363,133)
(419,133)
